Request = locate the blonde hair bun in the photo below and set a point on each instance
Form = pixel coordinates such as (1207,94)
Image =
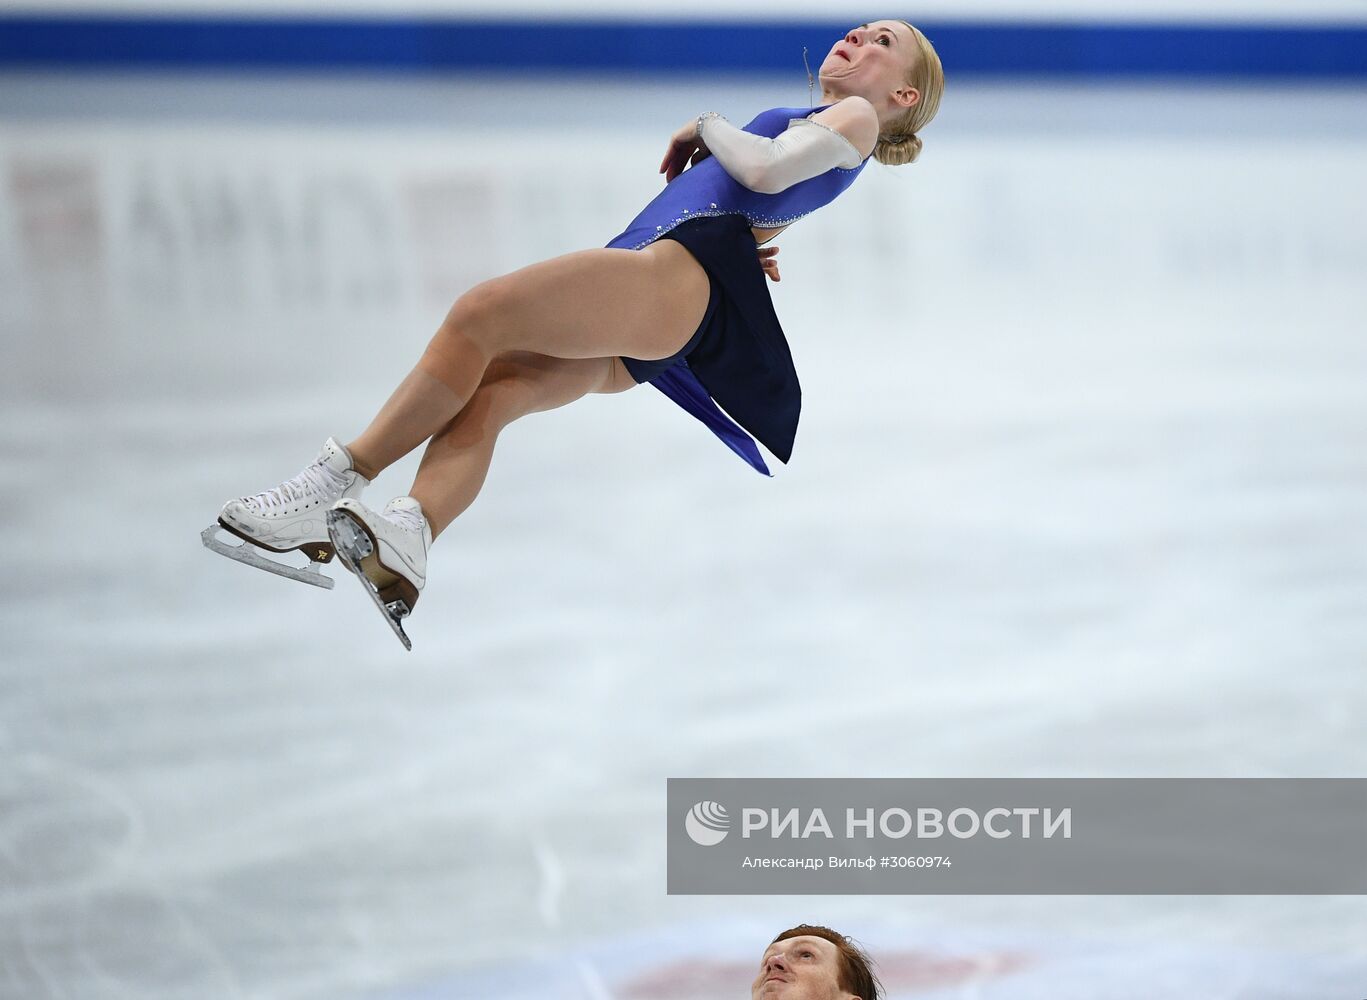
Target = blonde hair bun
(900,143)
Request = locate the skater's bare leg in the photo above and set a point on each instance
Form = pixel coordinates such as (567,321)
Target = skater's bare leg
(586,305)
(419,403)
(515,384)
(387,550)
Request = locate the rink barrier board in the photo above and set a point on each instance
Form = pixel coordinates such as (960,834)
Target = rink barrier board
(438,45)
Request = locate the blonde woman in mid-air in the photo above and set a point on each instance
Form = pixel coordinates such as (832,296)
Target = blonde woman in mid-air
(677,300)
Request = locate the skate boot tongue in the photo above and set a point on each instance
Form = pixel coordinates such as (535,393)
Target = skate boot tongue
(406,513)
(334,457)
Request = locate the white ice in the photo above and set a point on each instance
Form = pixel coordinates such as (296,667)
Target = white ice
(1079,491)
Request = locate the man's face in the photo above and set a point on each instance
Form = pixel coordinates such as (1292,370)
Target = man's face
(799,968)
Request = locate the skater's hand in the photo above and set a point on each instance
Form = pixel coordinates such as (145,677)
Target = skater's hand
(685,149)
(768,259)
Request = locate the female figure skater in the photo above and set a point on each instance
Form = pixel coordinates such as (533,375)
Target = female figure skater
(678,300)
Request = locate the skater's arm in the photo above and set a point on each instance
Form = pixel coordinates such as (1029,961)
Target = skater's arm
(809,147)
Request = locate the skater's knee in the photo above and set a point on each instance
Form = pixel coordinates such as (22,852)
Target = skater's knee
(476,315)
(466,342)
(506,391)
(515,384)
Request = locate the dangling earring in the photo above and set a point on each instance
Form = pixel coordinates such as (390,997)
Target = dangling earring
(811,82)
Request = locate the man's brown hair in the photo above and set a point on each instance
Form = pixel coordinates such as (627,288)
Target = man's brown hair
(856,968)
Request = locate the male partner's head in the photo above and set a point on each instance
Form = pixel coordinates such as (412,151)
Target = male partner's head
(809,962)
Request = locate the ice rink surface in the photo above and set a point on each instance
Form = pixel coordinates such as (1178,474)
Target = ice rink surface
(1080,490)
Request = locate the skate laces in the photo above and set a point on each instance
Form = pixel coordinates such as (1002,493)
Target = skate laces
(408,518)
(317,479)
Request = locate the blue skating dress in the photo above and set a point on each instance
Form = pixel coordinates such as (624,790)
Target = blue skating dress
(738,357)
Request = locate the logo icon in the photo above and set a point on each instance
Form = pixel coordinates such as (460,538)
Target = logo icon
(707,823)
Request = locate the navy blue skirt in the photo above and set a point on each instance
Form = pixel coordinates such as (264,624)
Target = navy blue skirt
(738,357)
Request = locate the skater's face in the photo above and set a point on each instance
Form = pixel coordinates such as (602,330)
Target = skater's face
(799,968)
(874,61)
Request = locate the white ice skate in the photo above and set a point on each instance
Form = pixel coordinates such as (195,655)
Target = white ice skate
(292,516)
(387,551)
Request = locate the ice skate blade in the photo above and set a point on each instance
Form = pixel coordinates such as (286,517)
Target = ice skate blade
(354,544)
(248,554)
